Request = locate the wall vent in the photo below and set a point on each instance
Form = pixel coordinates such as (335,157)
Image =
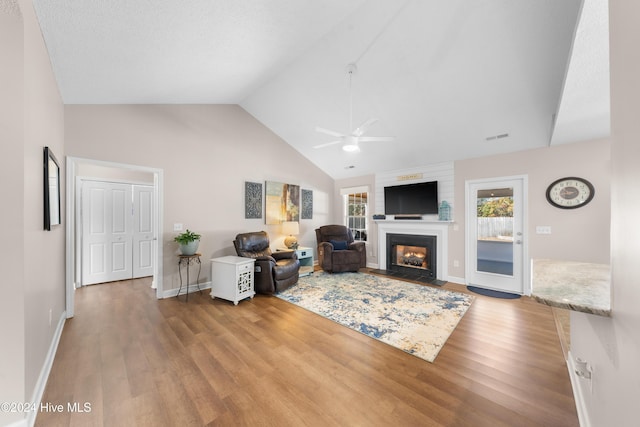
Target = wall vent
(494,137)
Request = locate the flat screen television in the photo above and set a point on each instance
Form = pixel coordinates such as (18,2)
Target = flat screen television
(411,199)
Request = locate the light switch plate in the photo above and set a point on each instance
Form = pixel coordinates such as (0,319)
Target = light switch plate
(177,227)
(543,229)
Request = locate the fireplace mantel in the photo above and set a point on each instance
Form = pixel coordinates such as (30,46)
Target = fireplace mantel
(440,229)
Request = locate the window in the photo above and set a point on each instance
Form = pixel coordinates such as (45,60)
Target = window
(355,211)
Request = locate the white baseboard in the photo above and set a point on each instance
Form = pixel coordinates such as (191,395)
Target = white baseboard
(20,423)
(38,392)
(170,293)
(578,396)
(458,280)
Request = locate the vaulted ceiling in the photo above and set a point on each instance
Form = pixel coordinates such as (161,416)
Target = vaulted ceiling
(448,79)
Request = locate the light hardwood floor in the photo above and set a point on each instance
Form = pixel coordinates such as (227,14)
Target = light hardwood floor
(139,361)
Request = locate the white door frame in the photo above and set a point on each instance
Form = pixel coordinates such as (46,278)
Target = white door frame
(470,257)
(71,243)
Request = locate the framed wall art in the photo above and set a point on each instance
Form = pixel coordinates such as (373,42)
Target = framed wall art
(306,210)
(282,203)
(252,200)
(51,190)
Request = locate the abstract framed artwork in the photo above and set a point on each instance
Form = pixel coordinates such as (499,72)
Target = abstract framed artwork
(282,202)
(252,200)
(306,209)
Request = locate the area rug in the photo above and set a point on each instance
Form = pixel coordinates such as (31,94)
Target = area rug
(414,318)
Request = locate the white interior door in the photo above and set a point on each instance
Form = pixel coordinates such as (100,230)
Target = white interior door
(143,226)
(107,232)
(495,223)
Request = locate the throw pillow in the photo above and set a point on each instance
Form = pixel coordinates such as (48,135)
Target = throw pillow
(338,245)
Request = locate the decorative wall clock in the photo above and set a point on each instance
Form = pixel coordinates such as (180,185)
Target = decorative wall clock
(570,193)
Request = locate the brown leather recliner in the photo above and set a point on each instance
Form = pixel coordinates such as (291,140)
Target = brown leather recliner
(337,251)
(274,271)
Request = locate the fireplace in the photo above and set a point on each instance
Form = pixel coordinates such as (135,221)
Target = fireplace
(437,229)
(412,256)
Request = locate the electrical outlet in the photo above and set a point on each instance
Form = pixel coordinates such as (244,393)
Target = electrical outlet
(583,369)
(456,263)
(543,229)
(177,227)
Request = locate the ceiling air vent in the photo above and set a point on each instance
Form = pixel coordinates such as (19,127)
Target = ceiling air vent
(494,137)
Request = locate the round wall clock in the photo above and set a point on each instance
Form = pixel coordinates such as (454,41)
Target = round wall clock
(570,193)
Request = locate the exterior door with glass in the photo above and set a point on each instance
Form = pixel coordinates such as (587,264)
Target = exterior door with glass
(495,244)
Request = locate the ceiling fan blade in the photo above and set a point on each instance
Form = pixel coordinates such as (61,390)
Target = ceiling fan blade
(329,132)
(327,144)
(360,130)
(376,139)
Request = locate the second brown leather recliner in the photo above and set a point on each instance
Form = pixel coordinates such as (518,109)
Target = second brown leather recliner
(337,250)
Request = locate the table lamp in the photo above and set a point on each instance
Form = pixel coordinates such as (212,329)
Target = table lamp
(291,229)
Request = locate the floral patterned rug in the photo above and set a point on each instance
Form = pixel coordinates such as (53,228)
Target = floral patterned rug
(414,318)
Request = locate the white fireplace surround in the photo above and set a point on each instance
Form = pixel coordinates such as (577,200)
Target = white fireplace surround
(416,227)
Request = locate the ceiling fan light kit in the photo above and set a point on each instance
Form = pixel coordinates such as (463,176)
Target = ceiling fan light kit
(351,147)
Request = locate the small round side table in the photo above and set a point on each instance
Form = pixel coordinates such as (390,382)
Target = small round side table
(188,261)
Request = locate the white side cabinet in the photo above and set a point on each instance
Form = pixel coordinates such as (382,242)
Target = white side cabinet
(232,278)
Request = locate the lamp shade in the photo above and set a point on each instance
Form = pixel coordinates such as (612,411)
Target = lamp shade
(290,228)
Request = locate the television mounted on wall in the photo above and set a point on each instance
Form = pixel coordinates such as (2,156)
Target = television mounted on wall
(411,199)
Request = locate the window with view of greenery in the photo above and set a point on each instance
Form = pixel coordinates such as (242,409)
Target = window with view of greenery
(495,207)
(495,218)
(356,214)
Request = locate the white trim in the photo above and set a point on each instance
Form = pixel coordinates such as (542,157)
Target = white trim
(70,284)
(170,293)
(20,423)
(457,280)
(114,180)
(578,396)
(350,190)
(38,391)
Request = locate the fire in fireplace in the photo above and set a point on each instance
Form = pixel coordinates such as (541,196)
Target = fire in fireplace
(412,256)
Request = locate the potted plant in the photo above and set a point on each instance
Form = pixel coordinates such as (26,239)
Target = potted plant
(188,241)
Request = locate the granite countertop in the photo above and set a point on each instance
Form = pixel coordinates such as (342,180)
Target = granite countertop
(577,286)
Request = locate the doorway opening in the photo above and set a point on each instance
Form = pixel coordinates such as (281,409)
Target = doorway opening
(74,168)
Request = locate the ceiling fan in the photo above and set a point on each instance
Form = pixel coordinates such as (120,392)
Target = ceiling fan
(351,141)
